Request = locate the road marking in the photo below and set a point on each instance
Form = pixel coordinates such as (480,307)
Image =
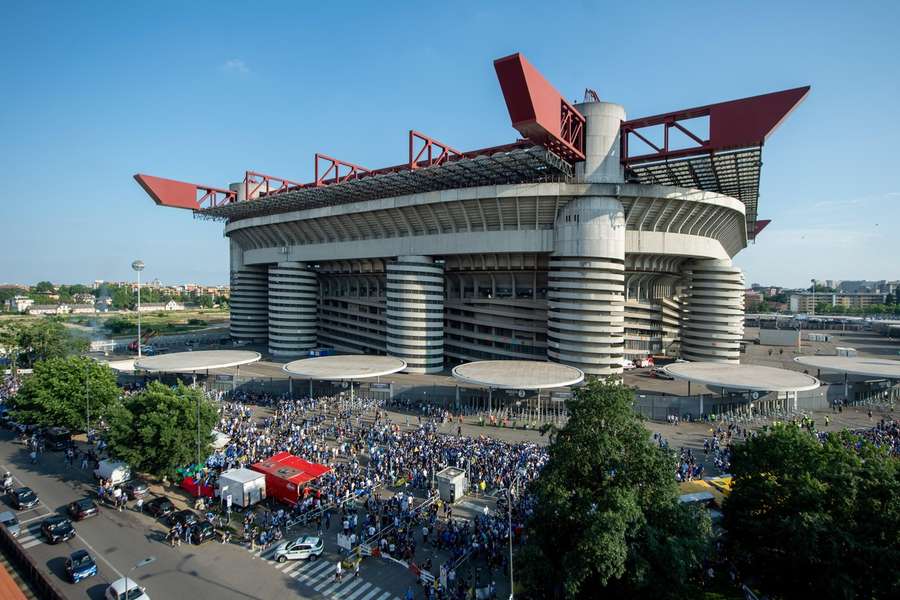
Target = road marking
(283,565)
(31,520)
(32,543)
(322,573)
(344,586)
(366,585)
(312,571)
(292,566)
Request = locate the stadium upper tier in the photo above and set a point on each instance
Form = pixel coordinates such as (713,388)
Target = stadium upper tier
(593,240)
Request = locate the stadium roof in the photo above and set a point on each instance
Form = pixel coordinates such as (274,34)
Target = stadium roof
(193,362)
(854,365)
(518,374)
(507,165)
(344,367)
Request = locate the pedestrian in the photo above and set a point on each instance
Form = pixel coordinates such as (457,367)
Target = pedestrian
(339,573)
(33,456)
(139,505)
(356,567)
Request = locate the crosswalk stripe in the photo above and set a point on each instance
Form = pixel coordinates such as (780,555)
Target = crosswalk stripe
(372,593)
(292,565)
(32,543)
(324,573)
(366,585)
(344,586)
(323,565)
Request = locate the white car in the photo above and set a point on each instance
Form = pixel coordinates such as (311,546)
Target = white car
(303,548)
(628,364)
(117,590)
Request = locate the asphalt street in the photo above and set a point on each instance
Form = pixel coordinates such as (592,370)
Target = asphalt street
(119,540)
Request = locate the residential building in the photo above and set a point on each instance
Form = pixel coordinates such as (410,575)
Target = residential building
(806,302)
(19,304)
(161,306)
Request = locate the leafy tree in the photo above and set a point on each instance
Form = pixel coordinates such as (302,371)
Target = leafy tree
(155,431)
(205,301)
(809,519)
(118,325)
(607,522)
(43,287)
(40,339)
(60,391)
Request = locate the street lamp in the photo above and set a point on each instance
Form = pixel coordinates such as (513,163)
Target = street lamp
(509,507)
(138,266)
(141,563)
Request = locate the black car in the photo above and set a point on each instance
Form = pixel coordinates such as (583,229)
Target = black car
(159,507)
(57,438)
(136,489)
(57,529)
(184,517)
(202,532)
(24,498)
(82,509)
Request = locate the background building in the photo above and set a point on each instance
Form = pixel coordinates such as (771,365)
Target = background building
(585,242)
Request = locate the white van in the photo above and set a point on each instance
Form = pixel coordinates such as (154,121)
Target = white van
(114,471)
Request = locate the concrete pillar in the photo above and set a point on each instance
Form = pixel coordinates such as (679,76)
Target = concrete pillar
(249,297)
(602,150)
(586,296)
(714,319)
(293,300)
(415,313)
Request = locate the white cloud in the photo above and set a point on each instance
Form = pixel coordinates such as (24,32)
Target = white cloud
(235,65)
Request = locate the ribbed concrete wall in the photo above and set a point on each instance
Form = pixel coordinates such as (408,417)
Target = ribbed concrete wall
(586,314)
(249,303)
(415,313)
(714,312)
(293,294)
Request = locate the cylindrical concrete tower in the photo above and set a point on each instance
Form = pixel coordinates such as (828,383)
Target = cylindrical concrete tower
(601,162)
(293,295)
(586,295)
(249,314)
(714,312)
(415,313)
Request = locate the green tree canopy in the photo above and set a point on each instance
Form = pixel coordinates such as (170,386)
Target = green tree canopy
(39,339)
(155,431)
(808,519)
(43,287)
(607,521)
(60,391)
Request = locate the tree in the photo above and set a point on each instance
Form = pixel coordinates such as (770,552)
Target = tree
(607,522)
(43,287)
(155,431)
(812,519)
(60,390)
(40,339)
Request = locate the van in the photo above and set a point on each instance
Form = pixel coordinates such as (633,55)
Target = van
(57,438)
(114,471)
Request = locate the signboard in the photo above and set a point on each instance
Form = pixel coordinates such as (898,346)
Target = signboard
(380,387)
(224,377)
(343,541)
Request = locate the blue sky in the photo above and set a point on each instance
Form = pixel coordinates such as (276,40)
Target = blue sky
(97,91)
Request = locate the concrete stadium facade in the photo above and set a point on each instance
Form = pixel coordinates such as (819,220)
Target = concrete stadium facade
(587,272)
(562,246)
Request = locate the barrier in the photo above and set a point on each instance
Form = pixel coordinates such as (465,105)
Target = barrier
(42,584)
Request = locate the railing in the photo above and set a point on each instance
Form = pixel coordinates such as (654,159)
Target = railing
(40,581)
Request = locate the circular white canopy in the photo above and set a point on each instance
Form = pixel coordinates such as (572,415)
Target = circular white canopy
(125,366)
(194,362)
(754,378)
(344,367)
(518,374)
(854,365)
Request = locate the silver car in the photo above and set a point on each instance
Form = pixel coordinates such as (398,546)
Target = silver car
(305,547)
(8,519)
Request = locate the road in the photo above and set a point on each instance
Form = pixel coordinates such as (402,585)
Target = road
(118,540)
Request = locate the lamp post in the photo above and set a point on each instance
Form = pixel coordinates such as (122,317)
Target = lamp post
(141,563)
(138,266)
(509,507)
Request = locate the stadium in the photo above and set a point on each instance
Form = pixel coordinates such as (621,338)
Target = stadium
(590,240)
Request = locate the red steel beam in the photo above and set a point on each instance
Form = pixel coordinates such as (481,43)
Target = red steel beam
(743,123)
(538,110)
(332,172)
(426,156)
(258,184)
(180,194)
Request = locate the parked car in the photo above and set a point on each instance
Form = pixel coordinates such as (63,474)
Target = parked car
(202,532)
(184,517)
(80,565)
(117,590)
(660,373)
(305,547)
(136,488)
(57,529)
(82,509)
(627,364)
(159,507)
(8,519)
(57,438)
(24,498)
